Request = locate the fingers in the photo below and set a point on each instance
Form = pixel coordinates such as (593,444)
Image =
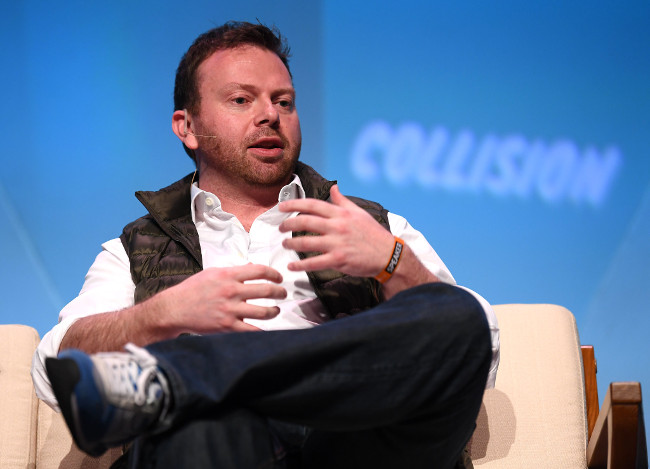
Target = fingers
(250,311)
(251,291)
(338,198)
(319,216)
(320,262)
(350,240)
(251,272)
(311,206)
(241,311)
(216,299)
(246,282)
(319,207)
(242,326)
(305,223)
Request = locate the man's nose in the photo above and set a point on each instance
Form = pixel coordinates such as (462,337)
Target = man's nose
(267,114)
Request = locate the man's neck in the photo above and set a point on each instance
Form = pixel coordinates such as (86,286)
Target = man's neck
(243,201)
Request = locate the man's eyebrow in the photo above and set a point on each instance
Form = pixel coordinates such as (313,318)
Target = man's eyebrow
(234,86)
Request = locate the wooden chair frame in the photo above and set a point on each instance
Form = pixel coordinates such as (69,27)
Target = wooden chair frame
(617,432)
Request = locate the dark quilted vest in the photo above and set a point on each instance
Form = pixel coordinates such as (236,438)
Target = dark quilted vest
(163,247)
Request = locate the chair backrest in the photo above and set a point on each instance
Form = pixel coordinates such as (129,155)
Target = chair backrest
(536,414)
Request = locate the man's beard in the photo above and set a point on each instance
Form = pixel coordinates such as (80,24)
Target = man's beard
(232,161)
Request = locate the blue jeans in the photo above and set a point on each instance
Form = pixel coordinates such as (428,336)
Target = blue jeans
(397,386)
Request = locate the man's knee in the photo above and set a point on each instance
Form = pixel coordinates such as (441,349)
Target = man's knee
(452,307)
(453,325)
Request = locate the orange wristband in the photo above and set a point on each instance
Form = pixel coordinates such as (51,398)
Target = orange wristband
(387,273)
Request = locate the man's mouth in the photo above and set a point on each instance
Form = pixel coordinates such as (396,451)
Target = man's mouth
(268,143)
(268,147)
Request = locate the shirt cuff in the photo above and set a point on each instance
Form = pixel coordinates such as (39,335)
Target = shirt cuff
(48,347)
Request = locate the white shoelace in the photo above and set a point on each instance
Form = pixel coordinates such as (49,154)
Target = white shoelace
(130,376)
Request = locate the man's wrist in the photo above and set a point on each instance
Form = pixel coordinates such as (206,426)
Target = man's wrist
(387,272)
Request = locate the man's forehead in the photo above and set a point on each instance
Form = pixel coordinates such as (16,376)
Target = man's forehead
(234,64)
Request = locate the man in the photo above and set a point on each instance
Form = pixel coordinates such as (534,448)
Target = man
(215,293)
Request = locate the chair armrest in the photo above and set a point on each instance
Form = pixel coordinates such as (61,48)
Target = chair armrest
(18,402)
(591,386)
(618,439)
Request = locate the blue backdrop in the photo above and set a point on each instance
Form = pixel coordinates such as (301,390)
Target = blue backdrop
(513,134)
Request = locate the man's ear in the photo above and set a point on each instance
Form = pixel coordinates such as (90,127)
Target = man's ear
(182,127)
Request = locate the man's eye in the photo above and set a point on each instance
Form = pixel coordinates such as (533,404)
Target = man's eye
(239,100)
(286,103)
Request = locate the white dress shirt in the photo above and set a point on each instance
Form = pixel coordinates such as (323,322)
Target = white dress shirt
(224,243)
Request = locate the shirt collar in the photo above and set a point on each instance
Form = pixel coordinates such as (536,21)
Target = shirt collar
(204,201)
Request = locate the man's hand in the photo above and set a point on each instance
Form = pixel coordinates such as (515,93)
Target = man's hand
(214,300)
(350,240)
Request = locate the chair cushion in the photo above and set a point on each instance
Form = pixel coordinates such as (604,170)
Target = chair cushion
(536,414)
(55,448)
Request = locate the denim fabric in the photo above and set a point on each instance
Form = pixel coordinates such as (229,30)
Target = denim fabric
(398,386)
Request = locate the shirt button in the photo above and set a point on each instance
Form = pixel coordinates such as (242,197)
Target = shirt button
(209,202)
